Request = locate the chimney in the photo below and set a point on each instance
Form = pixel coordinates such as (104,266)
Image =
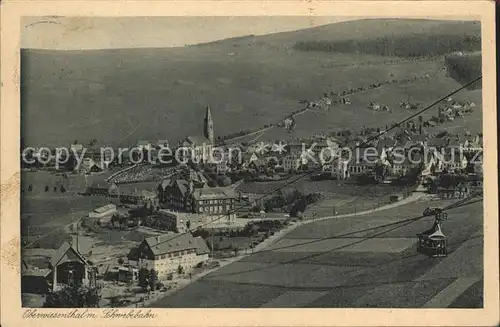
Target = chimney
(158,238)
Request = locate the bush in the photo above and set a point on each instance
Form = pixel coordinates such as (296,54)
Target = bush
(223,180)
(73,297)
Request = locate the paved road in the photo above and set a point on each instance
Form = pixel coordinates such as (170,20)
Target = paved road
(365,261)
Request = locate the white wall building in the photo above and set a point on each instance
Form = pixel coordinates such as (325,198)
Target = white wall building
(104,211)
(167,252)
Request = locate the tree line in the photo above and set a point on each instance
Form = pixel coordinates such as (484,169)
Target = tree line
(420,45)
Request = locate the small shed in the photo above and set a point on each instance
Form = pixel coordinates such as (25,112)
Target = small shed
(396,197)
(128,274)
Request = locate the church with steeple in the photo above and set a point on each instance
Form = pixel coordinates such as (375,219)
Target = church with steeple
(208,126)
(201,146)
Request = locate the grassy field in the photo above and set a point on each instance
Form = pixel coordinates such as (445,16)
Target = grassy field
(43,211)
(143,93)
(42,215)
(311,268)
(344,197)
(74,182)
(357,115)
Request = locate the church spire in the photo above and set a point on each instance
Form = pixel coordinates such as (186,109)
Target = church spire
(209,126)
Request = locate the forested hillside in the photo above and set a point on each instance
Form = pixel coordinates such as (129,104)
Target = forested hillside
(422,45)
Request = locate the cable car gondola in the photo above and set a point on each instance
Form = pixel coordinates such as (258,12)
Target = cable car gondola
(433,242)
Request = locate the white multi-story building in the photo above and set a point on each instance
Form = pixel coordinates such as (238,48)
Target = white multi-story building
(339,168)
(292,162)
(169,253)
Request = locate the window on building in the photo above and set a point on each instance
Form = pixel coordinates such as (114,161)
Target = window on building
(162,256)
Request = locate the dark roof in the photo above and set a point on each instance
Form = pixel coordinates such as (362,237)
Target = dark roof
(258,162)
(201,246)
(418,138)
(437,142)
(386,143)
(182,185)
(171,242)
(132,188)
(61,252)
(457,140)
(196,140)
(362,155)
(449,155)
(102,185)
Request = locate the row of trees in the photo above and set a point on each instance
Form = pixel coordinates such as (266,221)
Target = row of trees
(414,46)
(61,188)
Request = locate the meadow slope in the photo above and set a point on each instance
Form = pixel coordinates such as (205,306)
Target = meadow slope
(128,94)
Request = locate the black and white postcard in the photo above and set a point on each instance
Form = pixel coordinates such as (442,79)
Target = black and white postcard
(320,163)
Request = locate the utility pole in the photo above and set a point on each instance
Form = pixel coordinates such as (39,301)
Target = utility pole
(212,243)
(77,241)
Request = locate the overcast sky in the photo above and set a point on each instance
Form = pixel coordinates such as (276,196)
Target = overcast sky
(67,33)
(101,32)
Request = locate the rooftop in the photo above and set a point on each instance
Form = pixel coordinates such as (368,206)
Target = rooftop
(196,140)
(214,193)
(171,242)
(105,208)
(62,255)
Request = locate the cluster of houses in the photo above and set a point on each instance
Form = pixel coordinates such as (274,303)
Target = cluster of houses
(377,107)
(449,153)
(169,254)
(323,103)
(453,109)
(407,105)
